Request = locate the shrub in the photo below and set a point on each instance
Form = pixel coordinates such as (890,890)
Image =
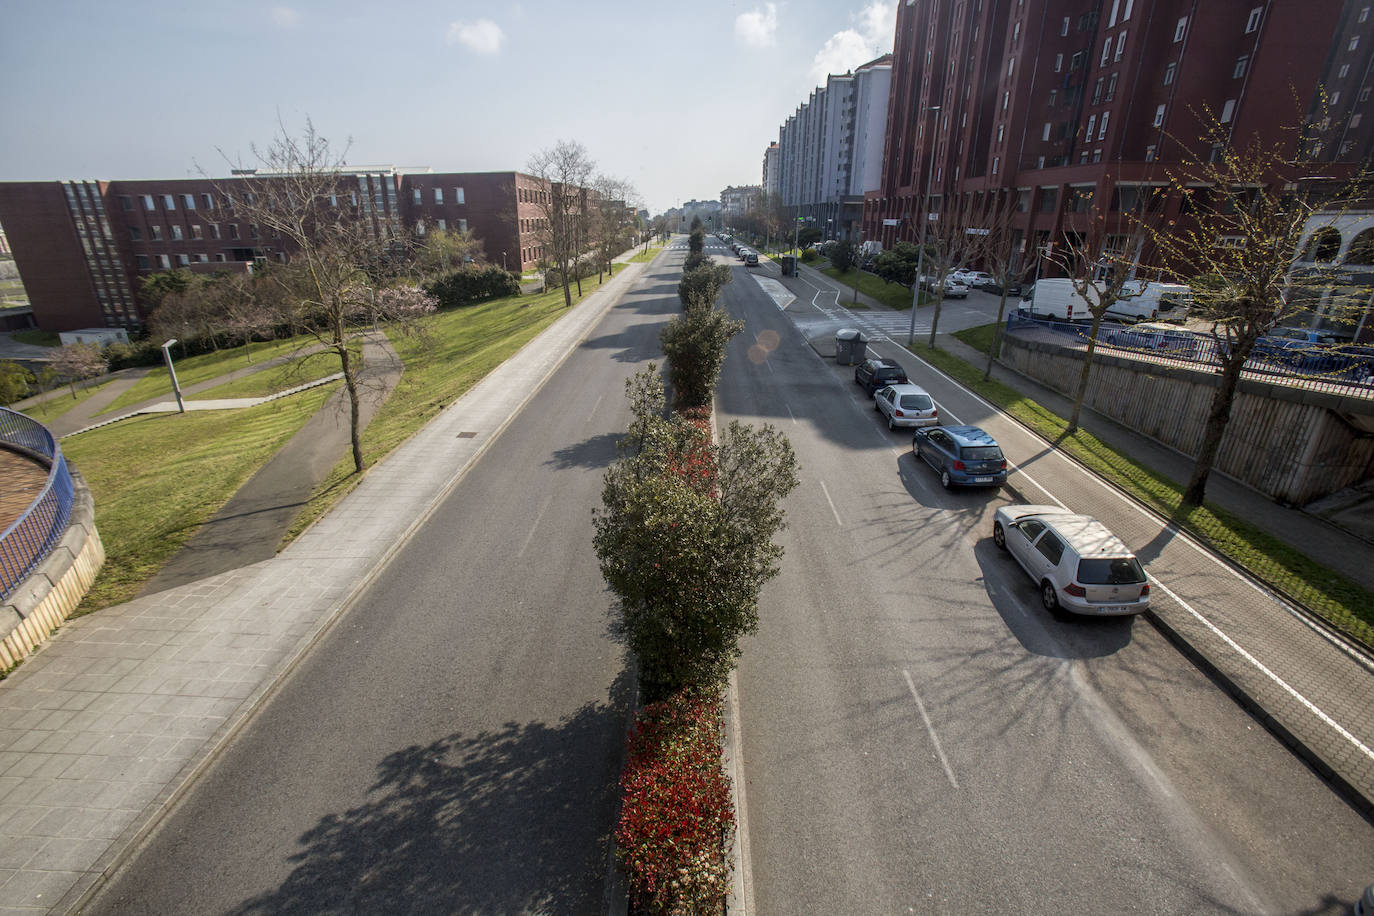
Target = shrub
(809,255)
(694,344)
(676,816)
(470,285)
(694,260)
(700,284)
(843,256)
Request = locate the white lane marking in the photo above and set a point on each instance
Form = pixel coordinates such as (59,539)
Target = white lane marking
(1185,538)
(944,411)
(744,904)
(1284,685)
(529,537)
(789,412)
(833,510)
(595,406)
(935,739)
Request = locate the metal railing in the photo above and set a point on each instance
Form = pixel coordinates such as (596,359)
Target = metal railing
(25,543)
(1339,369)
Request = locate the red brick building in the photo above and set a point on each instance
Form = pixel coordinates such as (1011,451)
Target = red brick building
(1067,106)
(81,246)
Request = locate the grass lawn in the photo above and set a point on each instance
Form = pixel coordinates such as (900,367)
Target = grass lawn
(56,407)
(647,255)
(269,381)
(1343,603)
(462,346)
(37,338)
(156,479)
(202,368)
(893,295)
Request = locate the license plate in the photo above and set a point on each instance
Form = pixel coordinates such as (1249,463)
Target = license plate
(1114,609)
(982,480)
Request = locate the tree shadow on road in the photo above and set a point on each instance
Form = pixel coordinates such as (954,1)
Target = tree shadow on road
(511,820)
(596,452)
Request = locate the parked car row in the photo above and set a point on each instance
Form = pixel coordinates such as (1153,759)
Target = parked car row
(1077,564)
(750,258)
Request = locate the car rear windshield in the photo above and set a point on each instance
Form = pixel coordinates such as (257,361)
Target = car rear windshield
(981,452)
(890,374)
(916,402)
(1110,571)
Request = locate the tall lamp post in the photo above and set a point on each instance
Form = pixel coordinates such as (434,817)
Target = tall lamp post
(167,358)
(925,220)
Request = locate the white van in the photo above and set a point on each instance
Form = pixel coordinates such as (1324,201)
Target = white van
(1055,297)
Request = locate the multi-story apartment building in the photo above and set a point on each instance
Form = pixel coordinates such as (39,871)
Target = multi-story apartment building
(82,246)
(830,150)
(1073,106)
(737,201)
(770,170)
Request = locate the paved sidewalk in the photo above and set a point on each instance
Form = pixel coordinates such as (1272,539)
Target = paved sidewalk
(103,726)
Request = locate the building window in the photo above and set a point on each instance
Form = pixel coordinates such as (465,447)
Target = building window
(188,201)
(1054,97)
(1040,162)
(1159,116)
(1097,155)
(1181,29)
(1120,44)
(1000,130)
(1150,153)
(1335,98)
(1345,71)
(415,196)
(126,201)
(1355,120)
(169,202)
(1111,87)
(155,233)
(1006,100)
(1079,59)
(1058,62)
(207,201)
(1106,52)
(144,263)
(1127,14)
(462,225)
(1092,123)
(233,230)
(438,195)
(1102,128)
(1169,72)
(458,196)
(184,260)
(1097,89)
(219,257)
(1111,20)
(135,233)
(996,161)
(443,226)
(1015,33)
(420,228)
(1354,43)
(252,230)
(1083,158)
(214,230)
(203,258)
(1239,69)
(1364,94)
(164,262)
(1045,134)
(148,202)
(1064,29)
(196,232)
(1364,14)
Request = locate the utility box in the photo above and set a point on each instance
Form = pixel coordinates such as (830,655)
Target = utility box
(851,347)
(789,265)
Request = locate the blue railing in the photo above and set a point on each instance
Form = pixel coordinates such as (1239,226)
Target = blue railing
(25,543)
(1340,369)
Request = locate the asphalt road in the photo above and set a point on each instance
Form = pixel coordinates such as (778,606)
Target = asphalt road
(918,736)
(454,743)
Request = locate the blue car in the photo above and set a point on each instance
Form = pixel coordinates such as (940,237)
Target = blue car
(964,455)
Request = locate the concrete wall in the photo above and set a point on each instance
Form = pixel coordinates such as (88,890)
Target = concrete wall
(1292,444)
(53,590)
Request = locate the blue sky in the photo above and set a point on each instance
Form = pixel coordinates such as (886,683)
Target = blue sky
(681,98)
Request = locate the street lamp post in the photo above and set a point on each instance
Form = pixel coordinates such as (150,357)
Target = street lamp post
(855,267)
(921,255)
(167,358)
(503,260)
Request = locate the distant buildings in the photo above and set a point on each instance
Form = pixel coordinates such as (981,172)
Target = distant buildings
(82,246)
(737,201)
(830,152)
(679,219)
(771,177)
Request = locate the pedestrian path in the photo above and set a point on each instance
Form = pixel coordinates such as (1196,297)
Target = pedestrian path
(101,728)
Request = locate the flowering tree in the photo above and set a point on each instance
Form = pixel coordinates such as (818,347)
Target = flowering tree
(78,362)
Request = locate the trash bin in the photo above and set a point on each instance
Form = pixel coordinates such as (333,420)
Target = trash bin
(789,265)
(851,347)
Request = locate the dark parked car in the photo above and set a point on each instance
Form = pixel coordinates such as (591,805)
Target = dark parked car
(873,374)
(964,455)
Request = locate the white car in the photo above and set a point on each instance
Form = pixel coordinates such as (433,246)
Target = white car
(955,289)
(978,279)
(1077,563)
(906,405)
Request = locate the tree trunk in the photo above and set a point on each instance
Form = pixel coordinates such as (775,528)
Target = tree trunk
(1083,375)
(935,316)
(1217,417)
(567,286)
(997,332)
(351,384)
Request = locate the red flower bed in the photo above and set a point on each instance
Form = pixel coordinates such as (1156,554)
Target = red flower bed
(676,816)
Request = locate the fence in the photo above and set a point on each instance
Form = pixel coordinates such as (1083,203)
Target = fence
(1335,369)
(25,543)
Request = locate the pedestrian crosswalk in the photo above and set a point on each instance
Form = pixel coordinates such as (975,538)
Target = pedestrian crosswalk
(877,325)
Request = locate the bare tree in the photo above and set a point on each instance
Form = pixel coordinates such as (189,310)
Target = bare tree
(1250,240)
(564,169)
(954,238)
(336,249)
(78,362)
(1101,264)
(1004,259)
(613,220)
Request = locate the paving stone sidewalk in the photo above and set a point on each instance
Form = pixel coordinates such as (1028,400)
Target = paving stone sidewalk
(102,726)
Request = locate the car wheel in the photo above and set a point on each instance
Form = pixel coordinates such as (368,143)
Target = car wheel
(944,479)
(876,407)
(1049,597)
(999,537)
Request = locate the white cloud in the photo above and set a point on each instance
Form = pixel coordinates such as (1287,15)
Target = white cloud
(284,17)
(757,27)
(870,37)
(481,36)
